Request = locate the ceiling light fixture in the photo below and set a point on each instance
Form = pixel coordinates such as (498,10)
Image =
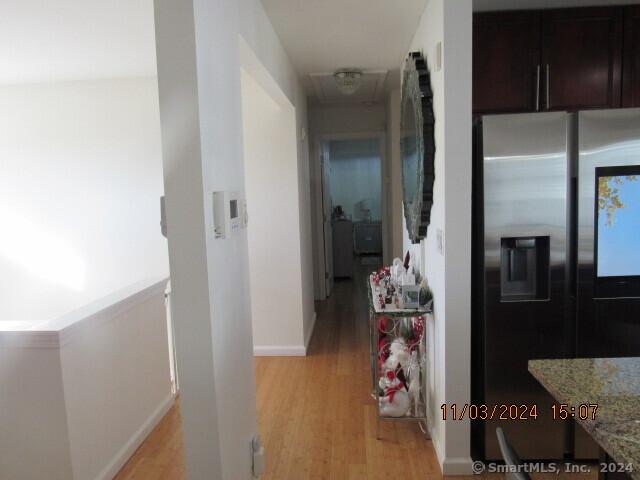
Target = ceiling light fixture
(348,80)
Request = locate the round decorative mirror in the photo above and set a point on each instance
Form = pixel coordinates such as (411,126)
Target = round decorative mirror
(417,146)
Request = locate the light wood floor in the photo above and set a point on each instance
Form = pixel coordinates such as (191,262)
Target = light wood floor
(326,430)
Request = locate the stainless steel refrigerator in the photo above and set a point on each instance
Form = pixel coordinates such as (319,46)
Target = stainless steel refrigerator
(556,263)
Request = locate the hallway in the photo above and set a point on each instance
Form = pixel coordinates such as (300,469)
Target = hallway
(328,429)
(316,415)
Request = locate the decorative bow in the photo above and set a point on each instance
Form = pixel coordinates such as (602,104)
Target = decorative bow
(391,391)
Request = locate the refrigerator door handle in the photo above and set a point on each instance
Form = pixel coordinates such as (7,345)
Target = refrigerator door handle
(548,85)
(538,88)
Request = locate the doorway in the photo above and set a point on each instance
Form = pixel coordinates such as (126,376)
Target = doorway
(277,205)
(274,232)
(353,220)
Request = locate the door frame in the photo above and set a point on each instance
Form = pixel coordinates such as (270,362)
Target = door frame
(327,233)
(385,208)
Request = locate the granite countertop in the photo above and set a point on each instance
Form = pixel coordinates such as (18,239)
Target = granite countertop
(611,383)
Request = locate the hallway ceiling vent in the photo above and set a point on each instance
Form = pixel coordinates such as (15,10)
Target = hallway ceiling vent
(348,80)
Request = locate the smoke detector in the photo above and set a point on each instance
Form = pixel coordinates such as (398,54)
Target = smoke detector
(348,80)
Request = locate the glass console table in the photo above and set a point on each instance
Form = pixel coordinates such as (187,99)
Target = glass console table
(398,361)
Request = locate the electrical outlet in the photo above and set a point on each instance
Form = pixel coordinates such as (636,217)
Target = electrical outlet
(257,456)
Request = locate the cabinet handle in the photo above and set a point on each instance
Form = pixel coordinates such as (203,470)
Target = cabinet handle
(538,88)
(548,85)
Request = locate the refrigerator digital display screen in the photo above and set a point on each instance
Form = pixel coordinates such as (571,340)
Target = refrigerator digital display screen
(617,221)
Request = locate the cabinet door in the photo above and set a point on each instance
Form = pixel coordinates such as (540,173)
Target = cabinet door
(506,56)
(582,57)
(631,73)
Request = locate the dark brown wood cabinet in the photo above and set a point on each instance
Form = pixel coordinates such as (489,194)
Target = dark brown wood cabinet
(582,58)
(562,59)
(631,63)
(506,58)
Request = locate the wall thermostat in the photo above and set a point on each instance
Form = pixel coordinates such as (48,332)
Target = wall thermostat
(229,213)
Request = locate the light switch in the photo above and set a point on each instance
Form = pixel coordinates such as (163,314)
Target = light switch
(438,57)
(440,241)
(163,217)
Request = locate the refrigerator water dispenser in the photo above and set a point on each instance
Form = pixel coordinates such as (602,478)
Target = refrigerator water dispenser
(524,268)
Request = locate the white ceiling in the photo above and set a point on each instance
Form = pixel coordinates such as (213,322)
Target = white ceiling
(321,36)
(50,40)
(488,5)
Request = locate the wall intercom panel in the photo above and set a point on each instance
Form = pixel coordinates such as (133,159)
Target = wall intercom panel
(229,213)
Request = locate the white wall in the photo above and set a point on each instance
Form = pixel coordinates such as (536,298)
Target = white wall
(345,119)
(117,381)
(306,228)
(79,193)
(271,182)
(200,103)
(356,177)
(449,274)
(35,437)
(394,167)
(80,393)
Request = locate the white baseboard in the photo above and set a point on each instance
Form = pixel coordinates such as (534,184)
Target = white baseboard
(435,442)
(286,350)
(457,466)
(279,351)
(310,332)
(450,466)
(129,448)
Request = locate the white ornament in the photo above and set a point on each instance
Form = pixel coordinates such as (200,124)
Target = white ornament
(397,270)
(395,401)
(398,355)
